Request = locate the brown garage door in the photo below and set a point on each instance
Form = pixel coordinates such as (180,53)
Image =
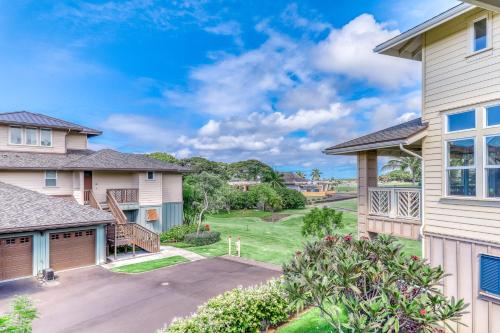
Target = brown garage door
(16,257)
(72,249)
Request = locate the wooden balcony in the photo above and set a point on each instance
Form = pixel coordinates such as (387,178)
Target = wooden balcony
(394,211)
(125,195)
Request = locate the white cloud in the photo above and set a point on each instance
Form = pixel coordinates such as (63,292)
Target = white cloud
(210,129)
(314,145)
(291,15)
(229,142)
(349,51)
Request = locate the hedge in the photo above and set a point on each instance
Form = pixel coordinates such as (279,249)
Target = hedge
(202,238)
(177,233)
(248,310)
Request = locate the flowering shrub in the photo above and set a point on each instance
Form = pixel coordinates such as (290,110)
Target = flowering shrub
(369,286)
(207,227)
(240,310)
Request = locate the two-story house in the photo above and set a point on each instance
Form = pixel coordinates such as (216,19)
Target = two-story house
(456,212)
(80,202)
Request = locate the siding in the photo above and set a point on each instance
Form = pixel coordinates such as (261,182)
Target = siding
(76,141)
(172,187)
(155,226)
(35,181)
(172,215)
(150,191)
(102,181)
(58,142)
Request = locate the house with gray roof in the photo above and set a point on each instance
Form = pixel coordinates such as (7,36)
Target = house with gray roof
(65,205)
(455,212)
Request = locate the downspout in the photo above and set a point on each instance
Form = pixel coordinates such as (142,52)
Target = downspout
(422,196)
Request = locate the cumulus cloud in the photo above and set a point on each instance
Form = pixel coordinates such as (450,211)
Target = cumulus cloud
(348,51)
(210,129)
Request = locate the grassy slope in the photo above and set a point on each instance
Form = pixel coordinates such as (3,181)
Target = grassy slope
(150,265)
(310,322)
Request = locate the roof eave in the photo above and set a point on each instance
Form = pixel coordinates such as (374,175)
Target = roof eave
(372,146)
(54,226)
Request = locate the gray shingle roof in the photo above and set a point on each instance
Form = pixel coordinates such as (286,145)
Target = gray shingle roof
(292,178)
(25,210)
(26,118)
(391,136)
(106,159)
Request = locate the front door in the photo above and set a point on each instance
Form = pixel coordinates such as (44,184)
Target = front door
(87,180)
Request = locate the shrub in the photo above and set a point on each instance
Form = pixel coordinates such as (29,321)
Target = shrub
(240,310)
(238,199)
(292,199)
(20,318)
(264,197)
(372,286)
(320,222)
(177,233)
(202,238)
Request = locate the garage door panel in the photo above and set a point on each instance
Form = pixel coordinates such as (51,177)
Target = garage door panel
(72,249)
(16,257)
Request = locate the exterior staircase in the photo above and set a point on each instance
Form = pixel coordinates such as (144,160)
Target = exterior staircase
(123,232)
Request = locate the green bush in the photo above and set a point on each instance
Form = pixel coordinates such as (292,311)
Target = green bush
(264,197)
(321,222)
(238,200)
(292,199)
(177,233)
(20,318)
(248,310)
(371,284)
(202,238)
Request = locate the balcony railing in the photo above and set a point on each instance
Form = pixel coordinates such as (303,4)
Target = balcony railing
(395,202)
(125,195)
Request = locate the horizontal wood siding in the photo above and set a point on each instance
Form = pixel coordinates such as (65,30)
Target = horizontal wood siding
(58,142)
(150,191)
(172,215)
(393,226)
(102,181)
(35,181)
(76,141)
(172,187)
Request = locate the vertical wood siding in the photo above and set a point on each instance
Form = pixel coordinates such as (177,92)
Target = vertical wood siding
(172,215)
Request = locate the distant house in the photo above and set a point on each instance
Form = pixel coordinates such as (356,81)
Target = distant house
(294,181)
(243,185)
(63,205)
(456,211)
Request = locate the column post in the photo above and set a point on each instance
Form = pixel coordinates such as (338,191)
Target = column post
(367,177)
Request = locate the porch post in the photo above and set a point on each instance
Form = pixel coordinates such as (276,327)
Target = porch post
(367,177)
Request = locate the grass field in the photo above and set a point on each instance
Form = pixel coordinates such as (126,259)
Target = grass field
(150,265)
(310,322)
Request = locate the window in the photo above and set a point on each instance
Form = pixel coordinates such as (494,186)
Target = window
(32,136)
(89,233)
(24,240)
(461,121)
(54,236)
(480,38)
(46,137)
(493,115)
(460,167)
(489,274)
(66,235)
(78,234)
(50,178)
(16,135)
(150,175)
(492,166)
(10,241)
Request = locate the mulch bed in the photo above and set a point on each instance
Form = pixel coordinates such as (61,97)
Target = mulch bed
(275,217)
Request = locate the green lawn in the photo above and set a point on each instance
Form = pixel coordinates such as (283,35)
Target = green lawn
(150,265)
(310,322)
(351,204)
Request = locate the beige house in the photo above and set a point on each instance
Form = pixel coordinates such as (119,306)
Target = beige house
(135,197)
(456,212)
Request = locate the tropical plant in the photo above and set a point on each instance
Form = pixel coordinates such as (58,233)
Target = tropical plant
(412,165)
(274,179)
(292,199)
(20,318)
(301,174)
(165,157)
(320,222)
(315,174)
(369,286)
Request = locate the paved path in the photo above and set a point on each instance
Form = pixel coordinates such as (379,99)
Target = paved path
(96,300)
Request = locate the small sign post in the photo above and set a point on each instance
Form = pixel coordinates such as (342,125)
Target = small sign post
(229,243)
(238,247)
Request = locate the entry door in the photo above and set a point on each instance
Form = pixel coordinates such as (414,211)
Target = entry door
(16,257)
(87,180)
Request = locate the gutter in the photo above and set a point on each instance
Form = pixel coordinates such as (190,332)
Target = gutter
(422,195)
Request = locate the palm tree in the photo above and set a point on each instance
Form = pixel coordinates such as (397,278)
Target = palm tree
(274,179)
(301,174)
(408,164)
(315,174)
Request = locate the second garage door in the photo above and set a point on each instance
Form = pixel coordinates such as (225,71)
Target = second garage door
(16,257)
(72,249)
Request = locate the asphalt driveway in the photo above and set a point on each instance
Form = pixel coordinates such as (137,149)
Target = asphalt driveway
(97,300)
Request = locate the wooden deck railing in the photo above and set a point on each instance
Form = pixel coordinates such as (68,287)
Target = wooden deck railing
(125,195)
(90,199)
(115,209)
(395,202)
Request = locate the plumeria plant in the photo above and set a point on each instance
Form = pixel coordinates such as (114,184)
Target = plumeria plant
(369,286)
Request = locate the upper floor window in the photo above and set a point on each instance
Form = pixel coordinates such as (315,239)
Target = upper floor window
(493,115)
(46,137)
(480,33)
(150,175)
(50,178)
(461,167)
(492,166)
(461,121)
(31,136)
(16,135)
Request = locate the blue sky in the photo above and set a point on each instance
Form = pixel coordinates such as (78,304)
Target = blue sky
(227,80)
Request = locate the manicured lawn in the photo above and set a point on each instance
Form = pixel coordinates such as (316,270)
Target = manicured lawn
(351,204)
(150,265)
(310,322)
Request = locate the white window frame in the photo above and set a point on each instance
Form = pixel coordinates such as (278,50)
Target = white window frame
(486,166)
(489,37)
(45,178)
(152,179)
(10,136)
(51,137)
(37,136)
(447,168)
(446,129)
(485,115)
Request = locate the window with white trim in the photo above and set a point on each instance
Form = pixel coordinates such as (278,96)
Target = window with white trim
(46,137)
(492,166)
(461,167)
(31,136)
(150,175)
(480,32)
(50,178)
(16,135)
(461,121)
(492,115)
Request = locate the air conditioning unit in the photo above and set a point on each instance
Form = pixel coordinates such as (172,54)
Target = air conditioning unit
(48,274)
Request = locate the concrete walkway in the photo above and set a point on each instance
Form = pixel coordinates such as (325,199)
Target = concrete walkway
(165,252)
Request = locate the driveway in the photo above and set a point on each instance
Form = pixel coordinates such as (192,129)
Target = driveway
(97,300)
